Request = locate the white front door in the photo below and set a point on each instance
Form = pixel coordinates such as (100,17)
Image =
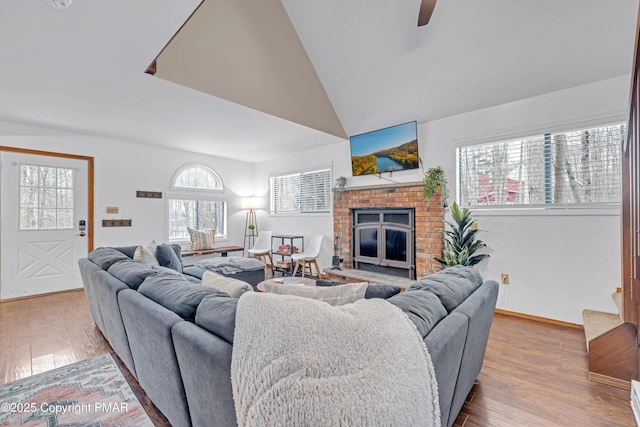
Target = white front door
(43,205)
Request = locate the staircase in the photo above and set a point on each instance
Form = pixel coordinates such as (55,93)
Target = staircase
(611,344)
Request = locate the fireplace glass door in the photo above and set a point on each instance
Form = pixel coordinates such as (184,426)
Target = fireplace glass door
(384,241)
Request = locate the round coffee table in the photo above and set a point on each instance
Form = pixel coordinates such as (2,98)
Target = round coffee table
(287,281)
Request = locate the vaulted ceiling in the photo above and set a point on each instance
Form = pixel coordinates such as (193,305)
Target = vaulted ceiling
(355,65)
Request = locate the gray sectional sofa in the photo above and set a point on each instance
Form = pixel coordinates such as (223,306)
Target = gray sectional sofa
(176,336)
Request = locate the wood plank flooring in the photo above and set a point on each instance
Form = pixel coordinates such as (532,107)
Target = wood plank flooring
(534,374)
(43,333)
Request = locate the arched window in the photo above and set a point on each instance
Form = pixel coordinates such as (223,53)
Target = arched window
(197,177)
(196,202)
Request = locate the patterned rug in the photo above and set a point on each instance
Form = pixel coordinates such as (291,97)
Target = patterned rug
(91,393)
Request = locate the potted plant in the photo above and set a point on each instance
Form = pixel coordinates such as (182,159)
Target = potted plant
(340,184)
(435,181)
(461,243)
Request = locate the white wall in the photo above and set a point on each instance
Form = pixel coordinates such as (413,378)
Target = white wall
(559,262)
(304,225)
(121,168)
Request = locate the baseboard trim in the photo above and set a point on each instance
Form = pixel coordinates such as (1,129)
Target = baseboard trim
(538,319)
(614,382)
(43,295)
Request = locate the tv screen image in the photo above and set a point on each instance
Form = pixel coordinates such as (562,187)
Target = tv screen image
(385,150)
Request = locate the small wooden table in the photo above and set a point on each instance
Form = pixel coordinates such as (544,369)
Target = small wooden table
(222,250)
(287,281)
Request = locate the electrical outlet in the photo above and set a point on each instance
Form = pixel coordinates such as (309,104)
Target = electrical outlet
(504,279)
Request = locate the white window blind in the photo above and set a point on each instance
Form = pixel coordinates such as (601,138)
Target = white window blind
(196,214)
(306,192)
(566,168)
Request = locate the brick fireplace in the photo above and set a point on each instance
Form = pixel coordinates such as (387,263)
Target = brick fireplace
(427,217)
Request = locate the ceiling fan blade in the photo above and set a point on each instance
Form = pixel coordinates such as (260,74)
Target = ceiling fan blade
(426,9)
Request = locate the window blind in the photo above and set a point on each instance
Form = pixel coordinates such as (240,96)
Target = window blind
(566,168)
(196,214)
(306,192)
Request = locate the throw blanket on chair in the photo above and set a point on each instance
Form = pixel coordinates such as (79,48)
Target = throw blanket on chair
(301,362)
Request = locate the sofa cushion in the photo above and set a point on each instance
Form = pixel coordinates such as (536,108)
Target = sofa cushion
(130,272)
(229,285)
(106,257)
(381,291)
(422,307)
(452,285)
(217,314)
(146,254)
(170,256)
(175,293)
(127,250)
(202,239)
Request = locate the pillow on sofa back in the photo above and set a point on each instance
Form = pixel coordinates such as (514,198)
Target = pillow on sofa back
(373,290)
(332,295)
(175,293)
(423,308)
(234,287)
(106,257)
(217,314)
(130,272)
(146,254)
(170,256)
(381,291)
(452,285)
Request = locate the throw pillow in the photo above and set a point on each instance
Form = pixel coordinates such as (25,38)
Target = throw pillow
(382,291)
(202,239)
(146,254)
(168,257)
(231,286)
(332,295)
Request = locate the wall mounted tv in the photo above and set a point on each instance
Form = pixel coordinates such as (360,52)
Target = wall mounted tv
(385,150)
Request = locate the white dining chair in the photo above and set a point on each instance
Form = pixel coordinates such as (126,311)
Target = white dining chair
(309,257)
(262,249)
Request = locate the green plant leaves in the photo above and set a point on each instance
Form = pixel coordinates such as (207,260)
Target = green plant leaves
(435,181)
(461,243)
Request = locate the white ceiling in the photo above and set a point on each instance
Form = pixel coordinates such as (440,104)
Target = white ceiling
(379,68)
(81,69)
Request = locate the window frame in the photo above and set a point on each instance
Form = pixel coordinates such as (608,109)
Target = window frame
(190,193)
(586,208)
(280,174)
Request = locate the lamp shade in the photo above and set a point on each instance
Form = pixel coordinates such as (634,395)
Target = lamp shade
(250,203)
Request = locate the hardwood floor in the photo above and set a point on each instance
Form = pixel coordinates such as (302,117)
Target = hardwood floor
(43,333)
(534,374)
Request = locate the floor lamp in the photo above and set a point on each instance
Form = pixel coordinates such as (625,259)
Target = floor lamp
(250,224)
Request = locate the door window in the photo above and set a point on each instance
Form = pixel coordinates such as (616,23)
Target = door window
(46,199)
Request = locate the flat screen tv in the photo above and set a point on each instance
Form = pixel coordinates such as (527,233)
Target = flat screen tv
(385,150)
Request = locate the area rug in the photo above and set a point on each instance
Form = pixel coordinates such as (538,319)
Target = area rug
(89,393)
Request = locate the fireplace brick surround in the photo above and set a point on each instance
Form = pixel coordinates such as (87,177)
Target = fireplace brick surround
(429,217)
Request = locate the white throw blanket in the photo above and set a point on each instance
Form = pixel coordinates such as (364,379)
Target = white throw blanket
(301,362)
